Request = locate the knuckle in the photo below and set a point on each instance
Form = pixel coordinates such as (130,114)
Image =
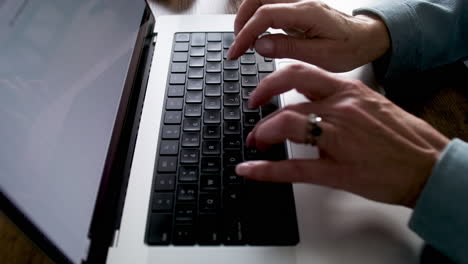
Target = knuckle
(286,117)
(298,68)
(265,10)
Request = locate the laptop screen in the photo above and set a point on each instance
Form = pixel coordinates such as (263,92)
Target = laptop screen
(62,69)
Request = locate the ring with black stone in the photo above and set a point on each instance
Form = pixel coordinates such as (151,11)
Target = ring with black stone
(313,129)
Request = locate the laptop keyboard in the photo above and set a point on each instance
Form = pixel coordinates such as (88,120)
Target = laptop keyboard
(197,197)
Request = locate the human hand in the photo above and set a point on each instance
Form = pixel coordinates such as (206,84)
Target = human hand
(317,34)
(368,146)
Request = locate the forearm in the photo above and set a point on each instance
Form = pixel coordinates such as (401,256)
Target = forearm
(441,214)
(424,34)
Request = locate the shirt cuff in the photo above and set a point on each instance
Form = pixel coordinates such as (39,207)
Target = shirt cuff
(402,24)
(441,213)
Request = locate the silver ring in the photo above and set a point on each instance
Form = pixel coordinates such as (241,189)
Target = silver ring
(313,129)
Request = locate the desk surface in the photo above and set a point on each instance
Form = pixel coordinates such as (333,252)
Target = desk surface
(445,107)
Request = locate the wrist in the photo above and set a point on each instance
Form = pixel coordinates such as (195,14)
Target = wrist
(374,38)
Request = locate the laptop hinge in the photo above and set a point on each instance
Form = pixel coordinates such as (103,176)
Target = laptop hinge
(109,205)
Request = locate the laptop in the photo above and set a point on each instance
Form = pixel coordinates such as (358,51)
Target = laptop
(119,138)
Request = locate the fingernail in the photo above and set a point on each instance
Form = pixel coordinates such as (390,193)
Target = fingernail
(251,104)
(264,45)
(245,168)
(250,140)
(230,51)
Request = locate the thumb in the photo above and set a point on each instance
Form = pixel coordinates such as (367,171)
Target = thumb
(284,46)
(321,172)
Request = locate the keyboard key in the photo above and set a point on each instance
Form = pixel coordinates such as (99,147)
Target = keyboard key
(189,156)
(209,202)
(251,154)
(188,174)
(193,110)
(214,46)
(231,113)
(213,103)
(214,37)
(231,87)
(176,91)
(268,59)
(195,73)
(228,38)
(190,139)
(213,90)
(198,39)
(174,103)
(187,192)
(250,51)
(213,78)
(172,117)
(192,124)
(185,213)
(232,158)
(184,235)
(211,132)
(230,177)
(209,183)
(209,229)
(180,57)
(265,67)
(212,117)
(167,164)
(179,67)
(210,164)
(181,46)
(231,64)
(262,76)
(231,75)
(231,100)
(165,182)
(249,81)
(197,51)
(211,147)
(248,70)
(197,62)
(233,230)
(177,78)
(232,142)
(247,59)
(232,128)
(246,109)
(213,67)
(169,147)
(213,56)
(182,37)
(170,132)
(163,202)
(246,93)
(233,196)
(160,229)
(251,119)
(194,97)
(194,84)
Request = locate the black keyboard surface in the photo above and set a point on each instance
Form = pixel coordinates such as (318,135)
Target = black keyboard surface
(197,198)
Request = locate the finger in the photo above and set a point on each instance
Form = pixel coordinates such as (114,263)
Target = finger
(287,125)
(322,172)
(248,8)
(312,82)
(286,46)
(301,108)
(271,15)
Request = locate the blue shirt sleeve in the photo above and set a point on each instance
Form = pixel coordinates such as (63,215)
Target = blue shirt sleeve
(424,34)
(441,213)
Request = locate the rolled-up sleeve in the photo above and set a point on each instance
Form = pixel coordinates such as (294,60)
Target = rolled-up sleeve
(441,213)
(424,34)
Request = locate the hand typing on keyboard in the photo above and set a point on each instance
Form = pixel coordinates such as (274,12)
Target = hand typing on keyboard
(368,145)
(317,33)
